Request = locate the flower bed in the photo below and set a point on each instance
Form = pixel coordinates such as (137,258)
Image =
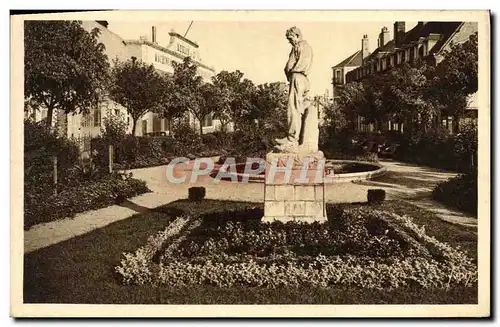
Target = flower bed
(360,247)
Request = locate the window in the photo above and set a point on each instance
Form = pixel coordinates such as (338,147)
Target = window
(156,123)
(144,127)
(44,114)
(85,120)
(182,49)
(162,59)
(166,124)
(421,52)
(97,117)
(338,76)
(207,121)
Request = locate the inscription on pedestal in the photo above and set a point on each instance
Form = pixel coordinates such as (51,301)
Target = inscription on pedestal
(301,198)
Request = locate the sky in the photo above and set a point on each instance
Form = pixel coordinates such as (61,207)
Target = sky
(259,49)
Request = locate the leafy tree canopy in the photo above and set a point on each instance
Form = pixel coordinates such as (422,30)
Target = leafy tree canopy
(138,87)
(65,67)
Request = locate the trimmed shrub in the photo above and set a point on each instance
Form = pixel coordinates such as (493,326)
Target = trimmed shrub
(459,192)
(196,193)
(350,145)
(40,146)
(44,206)
(376,196)
(210,141)
(437,148)
(187,140)
(114,127)
(134,152)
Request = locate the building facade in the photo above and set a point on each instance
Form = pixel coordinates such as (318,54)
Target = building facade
(146,49)
(340,70)
(426,41)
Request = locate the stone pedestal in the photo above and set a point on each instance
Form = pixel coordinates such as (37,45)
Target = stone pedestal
(294,187)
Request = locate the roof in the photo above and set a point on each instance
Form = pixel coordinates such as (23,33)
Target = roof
(446,29)
(183,39)
(422,30)
(163,49)
(388,47)
(353,60)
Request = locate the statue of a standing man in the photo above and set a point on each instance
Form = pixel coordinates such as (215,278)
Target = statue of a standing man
(296,70)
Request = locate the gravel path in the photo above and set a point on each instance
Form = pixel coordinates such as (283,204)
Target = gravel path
(402,181)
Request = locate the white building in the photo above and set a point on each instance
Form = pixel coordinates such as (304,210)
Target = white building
(145,49)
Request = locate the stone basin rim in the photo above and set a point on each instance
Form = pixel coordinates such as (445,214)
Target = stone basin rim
(337,178)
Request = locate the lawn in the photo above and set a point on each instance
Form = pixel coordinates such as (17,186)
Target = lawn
(81,270)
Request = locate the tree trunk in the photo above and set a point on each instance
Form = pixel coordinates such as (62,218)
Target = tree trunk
(50,114)
(438,118)
(223,125)
(201,126)
(134,125)
(169,127)
(456,124)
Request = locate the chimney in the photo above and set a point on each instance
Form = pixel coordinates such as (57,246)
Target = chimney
(364,47)
(153,34)
(399,33)
(383,37)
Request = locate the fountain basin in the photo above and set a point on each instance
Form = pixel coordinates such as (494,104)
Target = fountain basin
(337,171)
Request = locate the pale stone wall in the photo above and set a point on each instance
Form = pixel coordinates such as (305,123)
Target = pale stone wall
(298,197)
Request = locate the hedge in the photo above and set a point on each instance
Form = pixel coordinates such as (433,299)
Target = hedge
(456,152)
(40,146)
(459,192)
(145,151)
(44,206)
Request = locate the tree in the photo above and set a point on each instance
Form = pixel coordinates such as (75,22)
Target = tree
(269,106)
(373,110)
(334,116)
(353,101)
(65,67)
(114,127)
(233,97)
(405,97)
(456,78)
(190,93)
(169,108)
(205,104)
(137,87)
